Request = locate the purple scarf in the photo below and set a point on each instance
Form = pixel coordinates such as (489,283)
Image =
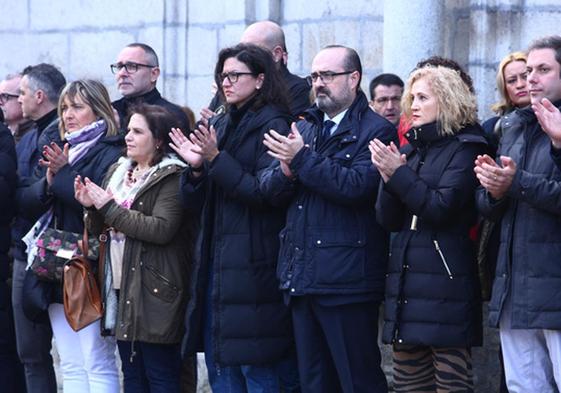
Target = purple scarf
(83,140)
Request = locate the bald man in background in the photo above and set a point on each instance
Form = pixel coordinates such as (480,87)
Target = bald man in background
(270,37)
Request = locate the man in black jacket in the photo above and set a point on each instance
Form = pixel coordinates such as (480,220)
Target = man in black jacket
(333,253)
(270,36)
(136,71)
(522,190)
(11,371)
(39,91)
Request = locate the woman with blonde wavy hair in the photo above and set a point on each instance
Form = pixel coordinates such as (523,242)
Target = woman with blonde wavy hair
(513,91)
(432,306)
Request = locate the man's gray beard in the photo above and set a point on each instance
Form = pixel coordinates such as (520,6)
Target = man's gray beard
(328,105)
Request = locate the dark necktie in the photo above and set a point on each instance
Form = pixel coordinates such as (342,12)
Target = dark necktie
(325,132)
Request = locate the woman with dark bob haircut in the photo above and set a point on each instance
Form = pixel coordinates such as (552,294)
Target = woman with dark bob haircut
(150,251)
(236,311)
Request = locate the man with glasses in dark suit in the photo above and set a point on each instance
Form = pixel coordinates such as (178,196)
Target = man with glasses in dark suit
(333,254)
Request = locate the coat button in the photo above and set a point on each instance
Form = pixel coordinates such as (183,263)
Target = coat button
(296,249)
(400,341)
(318,242)
(140,203)
(125,335)
(300,207)
(292,290)
(347,155)
(133,268)
(155,290)
(405,301)
(128,302)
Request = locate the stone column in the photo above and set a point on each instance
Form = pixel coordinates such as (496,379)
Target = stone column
(412,31)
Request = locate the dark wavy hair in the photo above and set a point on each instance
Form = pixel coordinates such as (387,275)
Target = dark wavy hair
(259,61)
(160,122)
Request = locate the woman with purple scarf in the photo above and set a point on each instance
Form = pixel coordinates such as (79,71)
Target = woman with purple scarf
(92,143)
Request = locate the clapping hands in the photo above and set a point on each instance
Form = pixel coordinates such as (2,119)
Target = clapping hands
(90,194)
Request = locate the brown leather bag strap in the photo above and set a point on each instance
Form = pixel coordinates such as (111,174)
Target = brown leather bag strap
(101,258)
(84,246)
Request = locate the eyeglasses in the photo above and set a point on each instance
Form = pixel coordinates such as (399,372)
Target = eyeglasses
(326,77)
(129,66)
(232,76)
(5,97)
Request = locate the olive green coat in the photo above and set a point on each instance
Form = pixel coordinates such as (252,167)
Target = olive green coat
(157,257)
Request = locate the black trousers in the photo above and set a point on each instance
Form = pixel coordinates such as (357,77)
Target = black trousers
(337,345)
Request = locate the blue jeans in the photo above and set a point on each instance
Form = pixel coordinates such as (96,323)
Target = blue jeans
(240,379)
(235,379)
(155,368)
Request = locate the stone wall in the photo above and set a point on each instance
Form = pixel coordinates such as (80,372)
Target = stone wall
(83,37)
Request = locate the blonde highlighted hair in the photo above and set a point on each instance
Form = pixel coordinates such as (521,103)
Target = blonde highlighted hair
(95,95)
(457,105)
(505,104)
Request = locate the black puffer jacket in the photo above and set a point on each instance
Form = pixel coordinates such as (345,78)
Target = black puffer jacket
(432,288)
(332,244)
(528,265)
(250,324)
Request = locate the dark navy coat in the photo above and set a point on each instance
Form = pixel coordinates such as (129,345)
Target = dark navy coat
(239,240)
(432,287)
(68,213)
(332,244)
(528,265)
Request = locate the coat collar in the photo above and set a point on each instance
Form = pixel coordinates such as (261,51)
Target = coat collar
(423,135)
(350,123)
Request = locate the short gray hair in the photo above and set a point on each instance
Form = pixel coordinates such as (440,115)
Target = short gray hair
(47,78)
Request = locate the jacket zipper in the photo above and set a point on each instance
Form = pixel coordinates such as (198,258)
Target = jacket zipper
(164,279)
(439,251)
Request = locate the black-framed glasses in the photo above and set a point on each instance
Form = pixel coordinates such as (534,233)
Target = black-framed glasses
(232,76)
(5,97)
(326,76)
(129,66)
